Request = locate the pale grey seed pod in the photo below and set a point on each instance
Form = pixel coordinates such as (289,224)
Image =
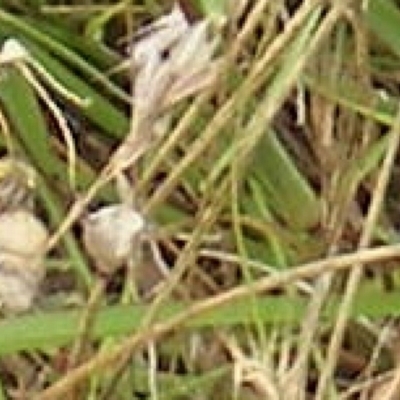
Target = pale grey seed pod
(109,235)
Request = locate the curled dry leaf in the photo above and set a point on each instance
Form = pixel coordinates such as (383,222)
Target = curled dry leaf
(109,235)
(23,240)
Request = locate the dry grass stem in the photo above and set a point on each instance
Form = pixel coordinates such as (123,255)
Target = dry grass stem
(156,331)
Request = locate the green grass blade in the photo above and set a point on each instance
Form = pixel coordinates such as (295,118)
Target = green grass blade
(94,52)
(11,25)
(383,18)
(291,196)
(100,110)
(23,111)
(29,332)
(212,7)
(286,190)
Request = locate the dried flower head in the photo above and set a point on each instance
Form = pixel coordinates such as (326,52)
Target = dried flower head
(109,235)
(172,59)
(171,51)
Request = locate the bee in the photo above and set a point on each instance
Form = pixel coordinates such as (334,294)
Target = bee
(17,184)
(23,240)
(22,237)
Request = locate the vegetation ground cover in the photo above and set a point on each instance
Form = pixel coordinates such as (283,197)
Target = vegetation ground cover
(216,186)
